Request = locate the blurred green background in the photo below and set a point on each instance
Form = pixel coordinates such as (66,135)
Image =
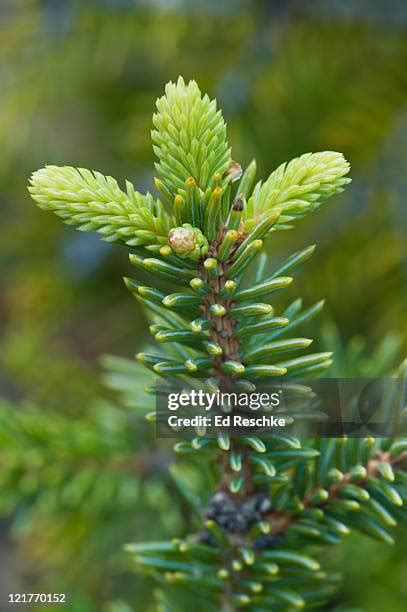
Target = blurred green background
(78,82)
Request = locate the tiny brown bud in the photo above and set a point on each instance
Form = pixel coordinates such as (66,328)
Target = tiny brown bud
(238,203)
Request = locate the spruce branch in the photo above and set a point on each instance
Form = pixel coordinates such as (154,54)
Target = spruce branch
(275,499)
(380,465)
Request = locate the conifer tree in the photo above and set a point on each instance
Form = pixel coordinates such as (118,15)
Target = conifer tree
(264,507)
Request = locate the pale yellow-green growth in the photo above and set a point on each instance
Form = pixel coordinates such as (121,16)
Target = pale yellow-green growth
(95,202)
(189,137)
(299,186)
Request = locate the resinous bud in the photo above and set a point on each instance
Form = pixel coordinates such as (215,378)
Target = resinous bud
(187,241)
(234,171)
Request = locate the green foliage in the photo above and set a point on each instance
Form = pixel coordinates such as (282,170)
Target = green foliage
(282,77)
(189,139)
(355,359)
(269,506)
(70,486)
(300,186)
(95,202)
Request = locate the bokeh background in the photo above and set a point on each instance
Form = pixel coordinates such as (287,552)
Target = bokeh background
(78,82)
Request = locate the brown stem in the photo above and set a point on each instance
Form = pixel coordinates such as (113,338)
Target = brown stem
(222,332)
